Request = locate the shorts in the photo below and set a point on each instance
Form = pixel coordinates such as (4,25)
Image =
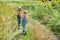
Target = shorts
(19,19)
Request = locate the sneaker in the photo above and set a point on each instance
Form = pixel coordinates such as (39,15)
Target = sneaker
(24,33)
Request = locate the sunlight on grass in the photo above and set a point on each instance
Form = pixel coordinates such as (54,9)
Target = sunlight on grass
(38,11)
(28,36)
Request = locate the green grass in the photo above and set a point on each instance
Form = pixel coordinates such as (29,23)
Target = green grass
(28,36)
(23,3)
(48,16)
(7,11)
(37,12)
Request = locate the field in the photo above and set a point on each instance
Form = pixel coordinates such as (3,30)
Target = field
(8,22)
(46,14)
(49,16)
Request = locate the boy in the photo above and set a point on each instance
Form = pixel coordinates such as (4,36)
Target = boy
(24,22)
(19,16)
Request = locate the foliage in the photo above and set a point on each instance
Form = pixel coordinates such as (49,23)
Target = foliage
(49,16)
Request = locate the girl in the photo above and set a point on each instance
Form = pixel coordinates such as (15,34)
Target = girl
(24,21)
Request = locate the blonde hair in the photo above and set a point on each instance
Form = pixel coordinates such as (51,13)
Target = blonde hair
(19,8)
(25,11)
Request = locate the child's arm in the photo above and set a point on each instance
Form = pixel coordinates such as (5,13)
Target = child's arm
(14,15)
(22,16)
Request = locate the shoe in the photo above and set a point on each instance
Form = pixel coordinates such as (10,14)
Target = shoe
(24,33)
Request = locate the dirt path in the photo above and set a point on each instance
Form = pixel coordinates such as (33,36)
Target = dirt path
(39,32)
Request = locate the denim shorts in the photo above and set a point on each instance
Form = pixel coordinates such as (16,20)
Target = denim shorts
(19,19)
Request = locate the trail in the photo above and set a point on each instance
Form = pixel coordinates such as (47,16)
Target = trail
(38,32)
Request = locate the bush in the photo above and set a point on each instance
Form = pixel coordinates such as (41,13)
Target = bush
(49,16)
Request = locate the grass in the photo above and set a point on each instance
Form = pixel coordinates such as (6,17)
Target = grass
(28,36)
(10,24)
(8,10)
(49,16)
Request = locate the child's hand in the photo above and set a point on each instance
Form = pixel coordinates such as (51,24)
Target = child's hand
(13,15)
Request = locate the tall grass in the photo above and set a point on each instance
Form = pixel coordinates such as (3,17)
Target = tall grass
(8,23)
(48,16)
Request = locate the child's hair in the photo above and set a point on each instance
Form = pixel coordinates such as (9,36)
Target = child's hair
(19,8)
(25,11)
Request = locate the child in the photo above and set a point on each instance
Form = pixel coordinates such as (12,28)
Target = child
(19,16)
(24,21)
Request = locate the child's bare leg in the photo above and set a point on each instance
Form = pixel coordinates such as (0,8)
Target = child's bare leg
(18,26)
(24,29)
(18,23)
